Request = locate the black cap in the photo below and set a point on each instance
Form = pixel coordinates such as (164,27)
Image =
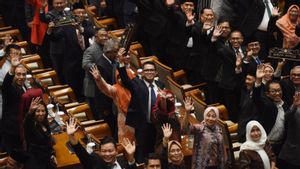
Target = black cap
(251,39)
(183,1)
(78,5)
(19,156)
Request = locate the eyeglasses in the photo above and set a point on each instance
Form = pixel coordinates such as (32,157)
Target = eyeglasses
(149,70)
(296,74)
(275,91)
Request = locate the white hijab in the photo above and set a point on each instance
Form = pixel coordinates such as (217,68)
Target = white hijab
(259,145)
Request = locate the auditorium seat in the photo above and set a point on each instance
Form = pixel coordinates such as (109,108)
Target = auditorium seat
(33,62)
(48,78)
(64,96)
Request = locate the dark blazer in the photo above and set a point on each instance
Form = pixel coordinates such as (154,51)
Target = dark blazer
(251,159)
(11,95)
(138,106)
(91,56)
(291,149)
(93,161)
(267,108)
(249,15)
(288,91)
(88,31)
(178,36)
(229,79)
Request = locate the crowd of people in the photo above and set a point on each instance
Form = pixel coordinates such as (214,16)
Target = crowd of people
(226,44)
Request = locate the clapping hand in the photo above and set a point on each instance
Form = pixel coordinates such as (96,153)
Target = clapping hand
(296,101)
(95,72)
(71,126)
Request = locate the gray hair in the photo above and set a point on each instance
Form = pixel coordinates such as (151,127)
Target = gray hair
(110,45)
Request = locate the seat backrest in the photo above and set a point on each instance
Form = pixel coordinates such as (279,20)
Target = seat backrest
(163,72)
(176,89)
(134,59)
(99,130)
(33,62)
(227,141)
(223,112)
(135,46)
(14,33)
(82,112)
(49,78)
(64,96)
(199,106)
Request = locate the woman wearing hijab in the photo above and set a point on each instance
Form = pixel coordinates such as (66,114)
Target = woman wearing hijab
(172,155)
(208,150)
(164,112)
(256,152)
(285,31)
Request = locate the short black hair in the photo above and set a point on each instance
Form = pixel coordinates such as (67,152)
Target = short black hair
(202,10)
(149,63)
(11,46)
(152,156)
(108,139)
(271,82)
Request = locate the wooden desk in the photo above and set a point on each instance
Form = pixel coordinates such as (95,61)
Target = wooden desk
(66,160)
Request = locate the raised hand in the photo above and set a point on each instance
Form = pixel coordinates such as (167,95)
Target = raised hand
(217,31)
(260,71)
(44,3)
(238,61)
(188,104)
(190,16)
(34,104)
(15,60)
(296,101)
(71,126)
(95,72)
(169,2)
(275,11)
(207,25)
(129,147)
(167,130)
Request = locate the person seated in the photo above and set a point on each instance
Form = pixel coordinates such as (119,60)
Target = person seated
(106,157)
(38,137)
(256,152)
(15,160)
(152,161)
(172,155)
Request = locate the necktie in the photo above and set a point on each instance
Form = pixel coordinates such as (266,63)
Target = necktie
(153,96)
(266,2)
(258,62)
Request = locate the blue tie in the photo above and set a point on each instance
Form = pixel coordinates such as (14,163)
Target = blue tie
(153,96)
(257,61)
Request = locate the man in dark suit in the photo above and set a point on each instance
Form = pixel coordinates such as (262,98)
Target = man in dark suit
(106,158)
(13,88)
(291,85)
(92,56)
(143,97)
(106,64)
(253,57)
(153,26)
(181,21)
(201,34)
(231,72)
(66,47)
(252,20)
(272,110)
